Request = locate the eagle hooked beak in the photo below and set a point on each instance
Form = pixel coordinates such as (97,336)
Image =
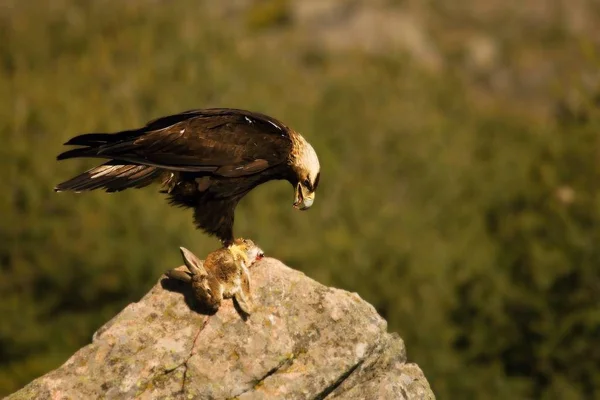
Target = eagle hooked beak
(303,199)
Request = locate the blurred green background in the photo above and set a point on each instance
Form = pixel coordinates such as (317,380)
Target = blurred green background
(460,193)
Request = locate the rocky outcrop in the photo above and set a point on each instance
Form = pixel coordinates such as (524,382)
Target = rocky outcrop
(303,341)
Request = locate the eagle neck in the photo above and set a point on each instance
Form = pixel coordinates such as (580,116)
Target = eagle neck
(298,148)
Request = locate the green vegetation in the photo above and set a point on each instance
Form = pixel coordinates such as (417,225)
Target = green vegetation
(463,201)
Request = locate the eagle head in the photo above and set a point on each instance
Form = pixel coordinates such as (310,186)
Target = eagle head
(307,172)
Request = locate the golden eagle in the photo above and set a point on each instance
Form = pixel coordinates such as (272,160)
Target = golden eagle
(205,159)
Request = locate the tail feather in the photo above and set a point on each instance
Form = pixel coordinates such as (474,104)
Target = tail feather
(112,176)
(97,143)
(74,153)
(90,139)
(98,139)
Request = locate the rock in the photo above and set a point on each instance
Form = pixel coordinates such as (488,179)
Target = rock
(303,341)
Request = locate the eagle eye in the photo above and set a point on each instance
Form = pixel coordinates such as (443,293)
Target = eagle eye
(306,183)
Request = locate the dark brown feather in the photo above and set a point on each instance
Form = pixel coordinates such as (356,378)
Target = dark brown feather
(212,157)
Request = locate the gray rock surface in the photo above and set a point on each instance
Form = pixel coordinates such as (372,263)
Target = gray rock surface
(303,341)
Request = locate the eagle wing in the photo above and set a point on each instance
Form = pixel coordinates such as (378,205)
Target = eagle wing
(224,142)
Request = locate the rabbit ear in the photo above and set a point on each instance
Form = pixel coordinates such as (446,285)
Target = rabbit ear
(195,266)
(180,275)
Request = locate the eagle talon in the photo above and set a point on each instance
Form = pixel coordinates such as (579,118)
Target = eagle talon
(238,250)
